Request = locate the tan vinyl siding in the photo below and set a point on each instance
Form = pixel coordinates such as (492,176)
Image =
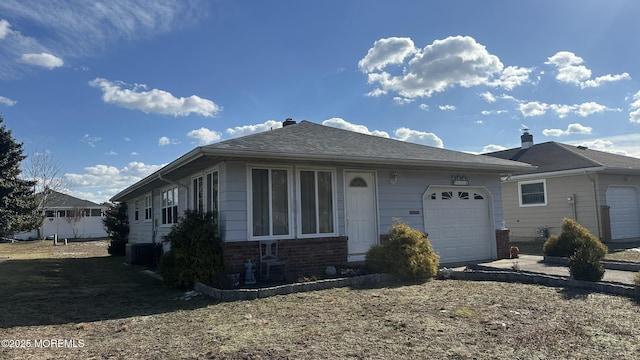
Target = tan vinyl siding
(524,221)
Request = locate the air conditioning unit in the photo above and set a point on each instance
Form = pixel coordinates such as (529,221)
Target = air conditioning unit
(140,254)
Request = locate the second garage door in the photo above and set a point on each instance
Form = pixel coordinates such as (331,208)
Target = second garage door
(458,223)
(624,212)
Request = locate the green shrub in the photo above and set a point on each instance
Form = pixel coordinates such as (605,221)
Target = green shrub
(585,263)
(572,237)
(407,255)
(116,223)
(196,254)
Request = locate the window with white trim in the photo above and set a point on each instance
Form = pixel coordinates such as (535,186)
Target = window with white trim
(198,194)
(316,213)
(170,206)
(147,207)
(269,202)
(532,193)
(136,215)
(212,191)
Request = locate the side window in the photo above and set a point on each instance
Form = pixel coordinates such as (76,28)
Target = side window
(533,193)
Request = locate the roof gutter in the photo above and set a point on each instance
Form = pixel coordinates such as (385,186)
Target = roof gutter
(552,174)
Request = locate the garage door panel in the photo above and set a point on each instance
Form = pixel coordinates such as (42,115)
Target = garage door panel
(624,211)
(459,225)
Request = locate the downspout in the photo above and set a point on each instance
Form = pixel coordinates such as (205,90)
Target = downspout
(595,201)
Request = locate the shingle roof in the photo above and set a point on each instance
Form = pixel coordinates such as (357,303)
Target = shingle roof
(307,141)
(552,156)
(60,200)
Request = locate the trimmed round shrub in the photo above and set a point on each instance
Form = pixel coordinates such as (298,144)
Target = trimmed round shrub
(196,253)
(407,255)
(585,263)
(572,237)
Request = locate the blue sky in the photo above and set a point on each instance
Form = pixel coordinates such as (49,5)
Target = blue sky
(115,89)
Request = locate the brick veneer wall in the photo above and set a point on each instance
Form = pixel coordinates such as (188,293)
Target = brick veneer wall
(502,244)
(305,256)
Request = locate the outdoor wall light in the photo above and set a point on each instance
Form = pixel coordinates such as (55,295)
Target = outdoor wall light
(394,178)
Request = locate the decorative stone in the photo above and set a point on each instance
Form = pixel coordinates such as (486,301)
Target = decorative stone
(330,270)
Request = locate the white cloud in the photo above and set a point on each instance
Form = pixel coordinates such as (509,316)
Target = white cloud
(456,60)
(5,28)
(511,77)
(634,109)
(7,101)
(127,139)
(100,182)
(153,101)
(571,129)
(403,133)
(535,108)
(604,79)
(478,122)
(446,107)
(134,153)
(376,93)
(570,69)
(418,137)
(43,60)
(588,108)
(424,107)
(111,153)
(488,97)
(91,140)
(164,141)
(402,100)
(76,28)
(343,124)
(387,51)
(492,112)
(252,129)
(204,135)
(491,148)
(628,145)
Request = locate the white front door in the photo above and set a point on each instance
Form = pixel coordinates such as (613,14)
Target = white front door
(362,225)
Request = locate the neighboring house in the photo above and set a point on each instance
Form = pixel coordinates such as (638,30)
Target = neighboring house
(598,189)
(68,217)
(326,194)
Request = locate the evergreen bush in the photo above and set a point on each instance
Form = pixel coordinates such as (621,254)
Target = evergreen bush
(196,253)
(407,255)
(116,223)
(572,237)
(586,263)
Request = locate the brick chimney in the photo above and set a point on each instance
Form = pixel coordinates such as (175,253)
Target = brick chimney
(526,138)
(288,121)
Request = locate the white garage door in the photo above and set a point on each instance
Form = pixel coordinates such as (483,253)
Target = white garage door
(458,223)
(624,212)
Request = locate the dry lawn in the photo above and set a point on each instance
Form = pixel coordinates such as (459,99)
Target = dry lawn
(120,313)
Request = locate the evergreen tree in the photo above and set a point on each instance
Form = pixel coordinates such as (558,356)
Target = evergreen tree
(18,207)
